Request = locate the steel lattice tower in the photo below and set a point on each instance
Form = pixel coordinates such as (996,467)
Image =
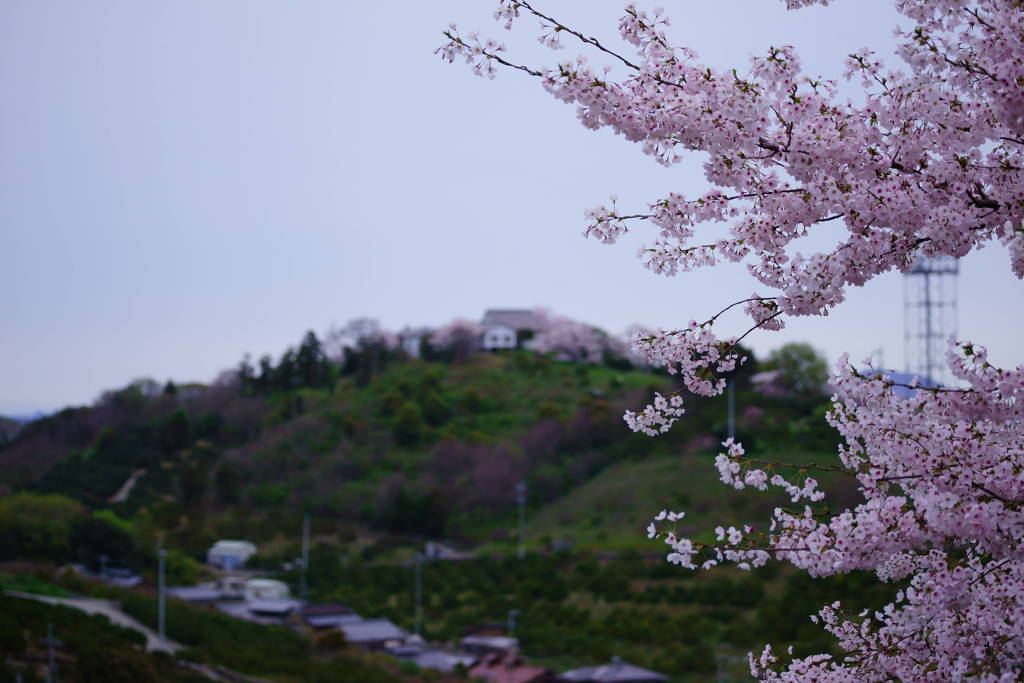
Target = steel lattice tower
(929,315)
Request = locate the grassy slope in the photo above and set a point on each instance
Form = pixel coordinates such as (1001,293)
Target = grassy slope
(334,453)
(612,510)
(486,424)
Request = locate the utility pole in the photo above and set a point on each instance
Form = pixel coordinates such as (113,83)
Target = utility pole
(521,500)
(51,660)
(418,589)
(511,628)
(305,556)
(161,554)
(731,388)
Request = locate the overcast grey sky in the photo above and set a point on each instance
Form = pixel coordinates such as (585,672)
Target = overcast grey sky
(183,182)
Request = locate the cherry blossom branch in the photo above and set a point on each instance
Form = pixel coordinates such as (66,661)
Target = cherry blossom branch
(559,27)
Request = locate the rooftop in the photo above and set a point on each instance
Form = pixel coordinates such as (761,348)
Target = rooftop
(233,547)
(516,318)
(325,610)
(617,671)
(371,630)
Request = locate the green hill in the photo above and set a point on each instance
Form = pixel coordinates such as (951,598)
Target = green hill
(385,452)
(414,448)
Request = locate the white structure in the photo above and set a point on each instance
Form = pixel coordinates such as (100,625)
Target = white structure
(504,327)
(499,337)
(412,341)
(230,554)
(488,645)
(265,589)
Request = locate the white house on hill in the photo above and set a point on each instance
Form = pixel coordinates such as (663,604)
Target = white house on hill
(503,328)
(265,589)
(230,554)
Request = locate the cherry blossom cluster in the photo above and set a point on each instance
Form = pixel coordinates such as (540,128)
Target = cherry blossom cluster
(927,163)
(658,417)
(567,339)
(738,473)
(942,476)
(458,331)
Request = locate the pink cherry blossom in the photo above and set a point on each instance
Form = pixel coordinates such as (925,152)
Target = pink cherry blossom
(927,163)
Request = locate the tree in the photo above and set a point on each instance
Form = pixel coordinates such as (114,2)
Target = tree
(926,164)
(567,339)
(801,369)
(457,340)
(311,363)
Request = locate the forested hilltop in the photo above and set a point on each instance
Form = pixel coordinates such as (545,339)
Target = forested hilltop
(381,441)
(385,451)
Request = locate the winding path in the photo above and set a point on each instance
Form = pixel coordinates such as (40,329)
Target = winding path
(112,611)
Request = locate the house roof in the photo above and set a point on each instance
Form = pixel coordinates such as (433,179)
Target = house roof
(233,547)
(492,642)
(443,661)
(325,610)
(195,593)
(266,584)
(617,671)
(332,620)
(371,630)
(276,607)
(516,318)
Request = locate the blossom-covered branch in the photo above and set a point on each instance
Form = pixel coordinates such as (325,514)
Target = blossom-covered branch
(928,163)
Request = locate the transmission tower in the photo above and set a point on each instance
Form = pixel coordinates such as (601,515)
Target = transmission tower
(929,315)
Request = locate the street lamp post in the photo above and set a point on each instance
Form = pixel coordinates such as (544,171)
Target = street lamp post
(418,588)
(511,628)
(305,556)
(161,554)
(521,500)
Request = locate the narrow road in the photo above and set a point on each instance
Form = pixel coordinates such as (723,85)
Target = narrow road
(112,611)
(126,488)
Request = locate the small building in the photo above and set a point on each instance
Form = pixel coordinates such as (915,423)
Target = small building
(231,587)
(493,628)
(427,657)
(411,341)
(443,661)
(373,634)
(322,617)
(482,645)
(230,555)
(277,607)
(499,337)
(438,551)
(265,589)
(508,328)
(203,593)
(509,669)
(122,577)
(616,671)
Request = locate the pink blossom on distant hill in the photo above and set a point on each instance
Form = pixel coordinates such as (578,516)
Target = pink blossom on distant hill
(460,338)
(459,330)
(567,339)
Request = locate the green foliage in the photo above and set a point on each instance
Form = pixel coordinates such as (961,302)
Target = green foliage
(37,526)
(802,370)
(96,536)
(408,426)
(271,651)
(31,583)
(92,649)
